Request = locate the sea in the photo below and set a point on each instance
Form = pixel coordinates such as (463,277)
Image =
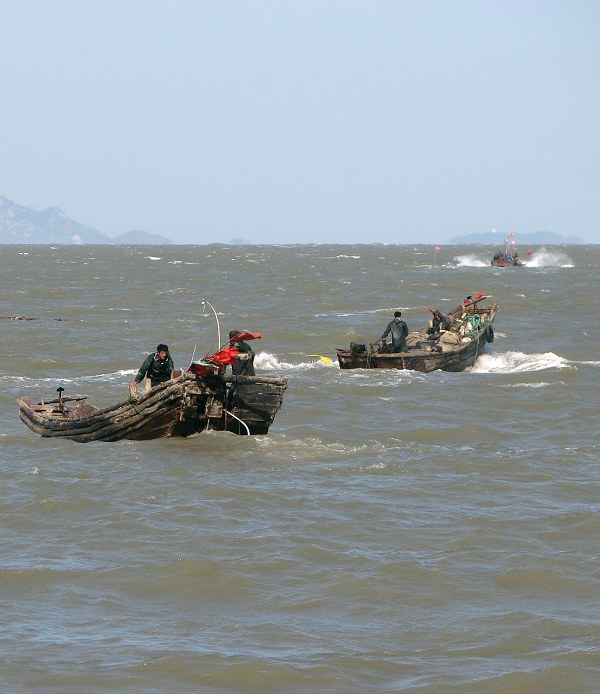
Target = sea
(393,532)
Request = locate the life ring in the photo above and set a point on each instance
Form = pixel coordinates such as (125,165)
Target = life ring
(489,333)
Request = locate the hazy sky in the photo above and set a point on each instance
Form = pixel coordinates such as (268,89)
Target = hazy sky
(306,121)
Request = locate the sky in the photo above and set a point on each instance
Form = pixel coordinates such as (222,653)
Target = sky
(305,121)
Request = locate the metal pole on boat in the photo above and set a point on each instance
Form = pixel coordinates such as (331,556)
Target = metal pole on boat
(204,304)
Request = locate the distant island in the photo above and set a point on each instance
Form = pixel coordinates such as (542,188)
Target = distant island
(538,238)
(25,225)
(20,224)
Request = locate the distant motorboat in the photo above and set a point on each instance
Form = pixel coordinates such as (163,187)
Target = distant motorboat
(507,258)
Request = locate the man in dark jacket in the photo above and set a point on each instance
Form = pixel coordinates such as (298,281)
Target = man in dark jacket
(244,362)
(399,331)
(157,367)
(439,324)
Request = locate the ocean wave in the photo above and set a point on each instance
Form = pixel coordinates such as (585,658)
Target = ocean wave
(263,362)
(470,261)
(269,362)
(507,362)
(546,258)
(518,362)
(541,384)
(540,259)
(121,376)
(372,454)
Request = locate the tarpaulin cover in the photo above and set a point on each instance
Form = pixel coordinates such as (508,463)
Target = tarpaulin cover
(201,368)
(473,299)
(223,357)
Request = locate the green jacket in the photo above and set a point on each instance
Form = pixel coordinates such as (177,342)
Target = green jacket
(157,371)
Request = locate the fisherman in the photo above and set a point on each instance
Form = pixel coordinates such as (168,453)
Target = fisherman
(244,361)
(439,324)
(157,367)
(399,331)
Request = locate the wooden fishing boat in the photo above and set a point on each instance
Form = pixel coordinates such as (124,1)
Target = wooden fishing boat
(200,398)
(506,260)
(455,350)
(187,404)
(508,257)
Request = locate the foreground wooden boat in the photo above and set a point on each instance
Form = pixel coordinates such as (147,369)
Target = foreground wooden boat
(185,405)
(455,350)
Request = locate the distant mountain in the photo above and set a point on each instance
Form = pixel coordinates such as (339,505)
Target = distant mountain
(240,242)
(20,224)
(538,238)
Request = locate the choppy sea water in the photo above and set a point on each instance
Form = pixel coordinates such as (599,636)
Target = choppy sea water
(394,532)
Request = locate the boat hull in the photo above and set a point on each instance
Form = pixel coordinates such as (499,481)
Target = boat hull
(415,359)
(183,406)
(502,261)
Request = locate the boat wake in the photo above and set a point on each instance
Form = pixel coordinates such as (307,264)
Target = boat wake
(470,261)
(541,258)
(269,362)
(518,362)
(546,258)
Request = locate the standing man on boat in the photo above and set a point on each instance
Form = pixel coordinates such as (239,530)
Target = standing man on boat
(244,361)
(157,367)
(399,331)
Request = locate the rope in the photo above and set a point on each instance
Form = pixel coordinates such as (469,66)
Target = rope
(239,420)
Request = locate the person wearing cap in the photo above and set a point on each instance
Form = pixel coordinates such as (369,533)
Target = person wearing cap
(244,361)
(399,331)
(157,367)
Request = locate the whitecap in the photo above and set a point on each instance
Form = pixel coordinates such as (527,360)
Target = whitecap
(470,261)
(517,362)
(546,258)
(542,384)
(269,362)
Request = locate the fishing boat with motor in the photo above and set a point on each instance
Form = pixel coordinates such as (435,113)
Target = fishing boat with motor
(194,400)
(506,260)
(507,257)
(457,348)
